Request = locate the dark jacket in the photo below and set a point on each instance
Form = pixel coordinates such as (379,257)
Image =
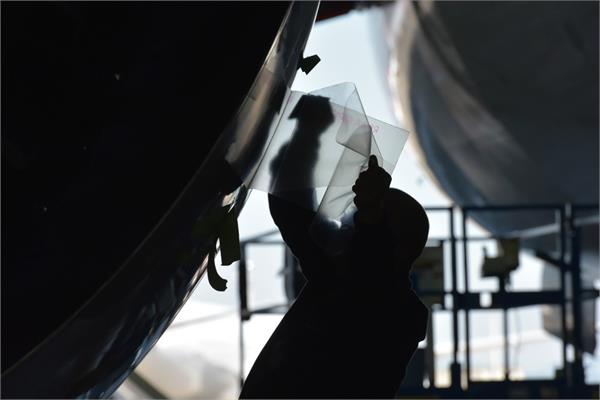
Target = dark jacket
(353,328)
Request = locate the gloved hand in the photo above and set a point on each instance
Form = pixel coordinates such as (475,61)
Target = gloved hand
(370,189)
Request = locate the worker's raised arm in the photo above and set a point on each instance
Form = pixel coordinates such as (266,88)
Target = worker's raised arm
(292,200)
(294,224)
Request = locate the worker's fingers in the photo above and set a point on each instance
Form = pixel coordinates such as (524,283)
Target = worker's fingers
(373,161)
(370,185)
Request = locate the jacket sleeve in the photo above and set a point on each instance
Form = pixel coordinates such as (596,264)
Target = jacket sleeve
(294,224)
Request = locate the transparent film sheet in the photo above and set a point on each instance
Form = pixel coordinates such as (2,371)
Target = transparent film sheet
(320,144)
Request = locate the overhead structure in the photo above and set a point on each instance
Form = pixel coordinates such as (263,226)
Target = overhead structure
(116,123)
(503,99)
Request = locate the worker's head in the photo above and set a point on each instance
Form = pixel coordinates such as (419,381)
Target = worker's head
(408,223)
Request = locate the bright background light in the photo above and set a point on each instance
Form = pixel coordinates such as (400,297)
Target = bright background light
(198,356)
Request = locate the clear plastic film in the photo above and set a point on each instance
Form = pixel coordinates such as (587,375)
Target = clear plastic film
(318,148)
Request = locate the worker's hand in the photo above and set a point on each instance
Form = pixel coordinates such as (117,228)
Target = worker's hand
(370,189)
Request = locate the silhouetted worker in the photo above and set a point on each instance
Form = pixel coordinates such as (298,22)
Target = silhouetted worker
(357,322)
